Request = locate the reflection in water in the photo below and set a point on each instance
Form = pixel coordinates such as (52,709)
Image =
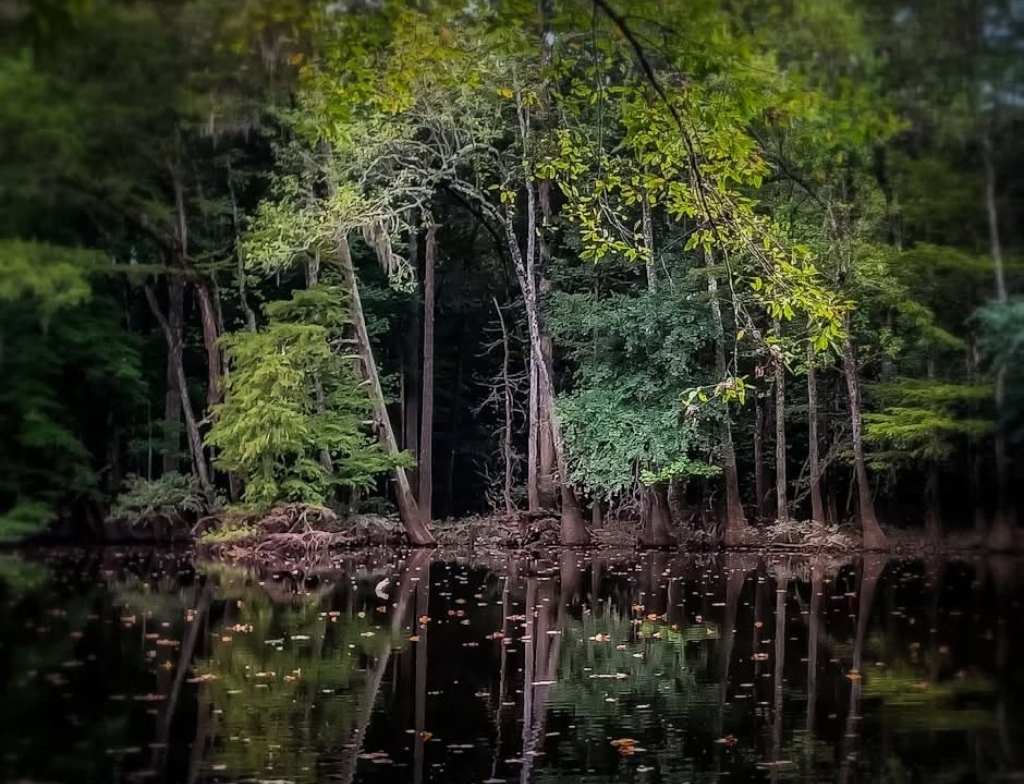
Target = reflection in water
(425,668)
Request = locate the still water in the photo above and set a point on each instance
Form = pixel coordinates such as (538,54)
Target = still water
(384,667)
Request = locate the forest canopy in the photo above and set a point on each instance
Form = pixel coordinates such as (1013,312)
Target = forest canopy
(702,264)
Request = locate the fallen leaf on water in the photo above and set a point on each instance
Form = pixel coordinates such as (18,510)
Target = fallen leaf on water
(425,736)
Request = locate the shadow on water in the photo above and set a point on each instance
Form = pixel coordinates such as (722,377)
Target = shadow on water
(427,668)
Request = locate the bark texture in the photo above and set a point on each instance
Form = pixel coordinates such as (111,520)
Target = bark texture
(873,536)
(416,529)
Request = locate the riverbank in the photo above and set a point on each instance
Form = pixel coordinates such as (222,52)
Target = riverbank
(291,532)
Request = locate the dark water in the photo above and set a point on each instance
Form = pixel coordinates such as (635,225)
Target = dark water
(650,668)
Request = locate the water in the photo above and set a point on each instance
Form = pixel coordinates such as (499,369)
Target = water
(650,668)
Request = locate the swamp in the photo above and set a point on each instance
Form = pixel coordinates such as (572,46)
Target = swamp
(444,667)
(511,391)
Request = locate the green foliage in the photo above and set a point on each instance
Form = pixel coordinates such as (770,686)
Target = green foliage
(62,383)
(50,277)
(1001,336)
(172,499)
(25,519)
(925,421)
(292,395)
(229,534)
(623,420)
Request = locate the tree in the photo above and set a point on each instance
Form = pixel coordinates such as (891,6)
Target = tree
(271,428)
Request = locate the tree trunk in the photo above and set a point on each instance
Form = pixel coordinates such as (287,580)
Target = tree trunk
(781,497)
(454,434)
(874,538)
(814,469)
(1001,532)
(533,440)
(652,272)
(411,402)
(507,405)
(736,520)
(415,527)
(547,492)
(980,523)
(426,461)
(573,530)
(760,480)
(658,522)
(195,440)
(546,476)
(172,402)
(208,317)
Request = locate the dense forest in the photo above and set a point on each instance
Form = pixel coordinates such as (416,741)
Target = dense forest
(703,265)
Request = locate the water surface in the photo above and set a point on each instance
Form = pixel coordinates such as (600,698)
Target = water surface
(387,667)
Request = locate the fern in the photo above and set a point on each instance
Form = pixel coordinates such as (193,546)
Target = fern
(173,499)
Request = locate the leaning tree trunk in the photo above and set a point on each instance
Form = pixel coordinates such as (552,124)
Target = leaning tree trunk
(736,520)
(426,461)
(416,529)
(814,468)
(874,538)
(195,440)
(211,340)
(573,530)
(781,496)
(172,403)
